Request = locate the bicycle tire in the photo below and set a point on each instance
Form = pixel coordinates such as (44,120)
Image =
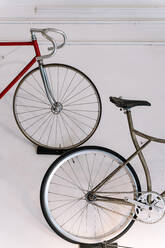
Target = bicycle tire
(80,111)
(47,200)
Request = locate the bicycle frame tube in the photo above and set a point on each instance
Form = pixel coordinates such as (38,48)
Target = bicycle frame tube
(119,167)
(138,152)
(137,147)
(141,156)
(33,43)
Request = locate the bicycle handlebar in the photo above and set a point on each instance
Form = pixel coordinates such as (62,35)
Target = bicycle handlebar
(49,38)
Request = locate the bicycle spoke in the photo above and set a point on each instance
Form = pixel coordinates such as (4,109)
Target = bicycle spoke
(72,179)
(32,100)
(82,169)
(81,218)
(67,99)
(73,216)
(65,186)
(33,96)
(99,216)
(63,83)
(65,125)
(38,83)
(57,84)
(51,83)
(70,182)
(74,120)
(63,195)
(46,126)
(29,106)
(78,126)
(50,131)
(78,100)
(62,138)
(63,205)
(31,111)
(99,168)
(79,104)
(75,175)
(77,85)
(39,127)
(68,87)
(89,182)
(42,93)
(36,116)
(82,115)
(31,125)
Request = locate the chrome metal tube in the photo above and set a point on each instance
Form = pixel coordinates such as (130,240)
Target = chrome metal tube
(47,85)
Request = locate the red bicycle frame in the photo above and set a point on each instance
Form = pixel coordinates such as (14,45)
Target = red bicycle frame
(33,43)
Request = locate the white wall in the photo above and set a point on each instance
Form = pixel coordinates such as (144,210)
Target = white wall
(132,71)
(87,2)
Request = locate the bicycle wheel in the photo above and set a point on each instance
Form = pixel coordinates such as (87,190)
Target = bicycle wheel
(79,101)
(65,200)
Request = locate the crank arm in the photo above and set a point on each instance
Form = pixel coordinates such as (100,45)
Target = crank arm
(137,203)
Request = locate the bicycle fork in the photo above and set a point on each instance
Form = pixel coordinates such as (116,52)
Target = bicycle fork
(46,83)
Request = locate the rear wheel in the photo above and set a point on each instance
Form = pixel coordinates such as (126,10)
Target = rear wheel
(71,122)
(68,205)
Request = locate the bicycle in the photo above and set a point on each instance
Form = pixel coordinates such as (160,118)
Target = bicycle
(92,194)
(55,106)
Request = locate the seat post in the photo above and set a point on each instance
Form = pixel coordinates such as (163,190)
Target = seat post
(137,147)
(130,122)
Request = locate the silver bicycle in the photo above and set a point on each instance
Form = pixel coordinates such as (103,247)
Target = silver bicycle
(92,194)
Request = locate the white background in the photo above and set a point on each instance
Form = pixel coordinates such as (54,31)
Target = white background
(131,71)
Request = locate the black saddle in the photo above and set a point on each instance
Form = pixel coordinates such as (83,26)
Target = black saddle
(127,104)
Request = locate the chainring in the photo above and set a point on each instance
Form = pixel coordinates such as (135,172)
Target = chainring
(154,210)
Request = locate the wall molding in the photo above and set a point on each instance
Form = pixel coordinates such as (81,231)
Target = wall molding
(101,13)
(83,14)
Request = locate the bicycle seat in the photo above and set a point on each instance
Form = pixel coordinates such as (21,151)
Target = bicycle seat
(127,104)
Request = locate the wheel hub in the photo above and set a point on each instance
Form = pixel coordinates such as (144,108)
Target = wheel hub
(56,108)
(90,197)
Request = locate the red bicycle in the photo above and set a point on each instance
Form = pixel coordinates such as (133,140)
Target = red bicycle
(55,105)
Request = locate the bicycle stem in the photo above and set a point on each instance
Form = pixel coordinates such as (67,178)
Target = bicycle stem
(119,168)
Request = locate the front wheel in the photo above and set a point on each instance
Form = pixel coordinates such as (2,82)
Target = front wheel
(76,116)
(69,208)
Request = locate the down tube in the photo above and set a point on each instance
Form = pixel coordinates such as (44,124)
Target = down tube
(25,69)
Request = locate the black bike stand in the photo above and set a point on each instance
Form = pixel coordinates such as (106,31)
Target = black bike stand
(105,244)
(43,150)
(102,245)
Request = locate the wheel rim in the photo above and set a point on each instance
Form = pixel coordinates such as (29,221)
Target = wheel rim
(68,124)
(68,211)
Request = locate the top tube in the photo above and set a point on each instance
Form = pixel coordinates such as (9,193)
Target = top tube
(143,135)
(17,43)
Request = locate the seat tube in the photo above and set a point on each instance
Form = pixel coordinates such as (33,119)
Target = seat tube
(140,154)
